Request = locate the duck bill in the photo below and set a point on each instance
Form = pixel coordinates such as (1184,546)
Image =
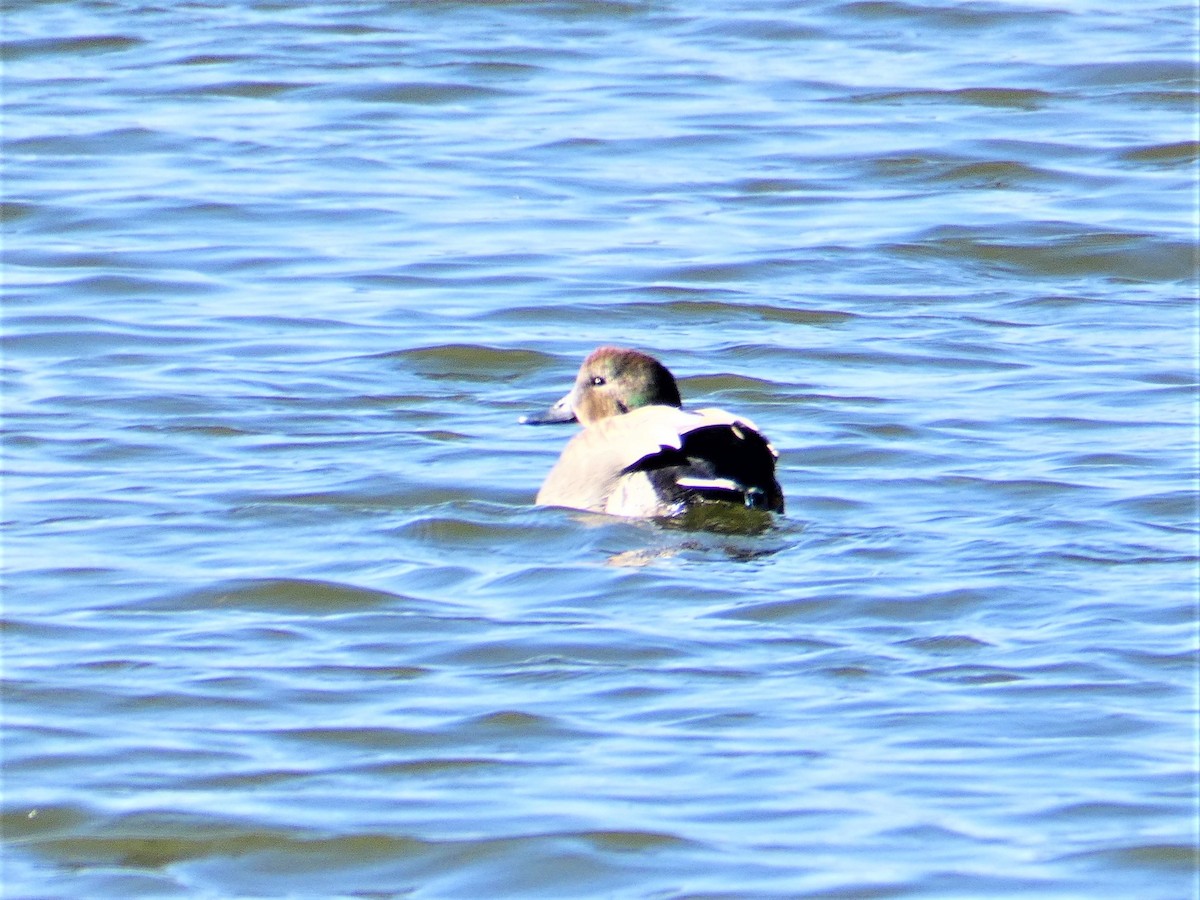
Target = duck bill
(560,412)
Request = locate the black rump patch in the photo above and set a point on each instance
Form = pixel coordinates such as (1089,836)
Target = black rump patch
(722,453)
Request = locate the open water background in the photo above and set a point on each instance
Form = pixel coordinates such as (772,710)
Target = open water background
(279,617)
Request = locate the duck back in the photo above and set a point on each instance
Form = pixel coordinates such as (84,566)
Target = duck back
(729,463)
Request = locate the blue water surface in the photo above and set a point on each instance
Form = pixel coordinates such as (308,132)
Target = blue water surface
(280,618)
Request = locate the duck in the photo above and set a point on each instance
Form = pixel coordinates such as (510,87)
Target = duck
(640,454)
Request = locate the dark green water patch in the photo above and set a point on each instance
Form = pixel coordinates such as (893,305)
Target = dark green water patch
(18,50)
(1057,250)
(278,594)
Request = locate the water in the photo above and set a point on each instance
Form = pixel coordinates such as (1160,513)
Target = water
(279,617)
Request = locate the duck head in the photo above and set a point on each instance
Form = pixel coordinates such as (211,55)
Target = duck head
(612,381)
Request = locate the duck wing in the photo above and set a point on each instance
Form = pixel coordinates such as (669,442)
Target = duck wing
(721,457)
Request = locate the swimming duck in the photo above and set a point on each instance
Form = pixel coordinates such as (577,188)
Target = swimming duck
(641,454)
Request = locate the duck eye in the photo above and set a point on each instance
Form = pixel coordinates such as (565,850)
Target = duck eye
(598,380)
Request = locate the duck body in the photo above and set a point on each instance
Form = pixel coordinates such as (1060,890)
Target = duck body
(640,454)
